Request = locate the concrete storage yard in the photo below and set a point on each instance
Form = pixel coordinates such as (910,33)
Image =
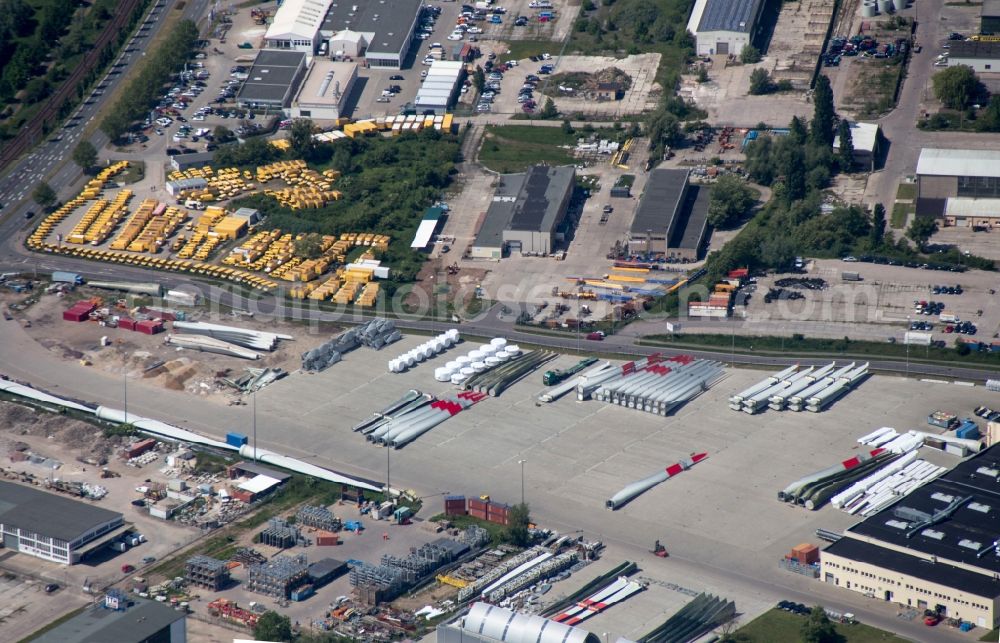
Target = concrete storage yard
(577,453)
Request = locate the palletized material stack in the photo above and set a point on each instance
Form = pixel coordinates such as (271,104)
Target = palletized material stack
(279,534)
(277,577)
(207,572)
(318,518)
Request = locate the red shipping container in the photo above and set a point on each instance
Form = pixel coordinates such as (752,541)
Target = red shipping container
(327,539)
(141,447)
(477,504)
(160,314)
(126,323)
(242,495)
(149,327)
(477,513)
(79,312)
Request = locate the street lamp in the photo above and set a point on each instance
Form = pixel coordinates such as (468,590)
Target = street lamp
(521,462)
(253,421)
(905,341)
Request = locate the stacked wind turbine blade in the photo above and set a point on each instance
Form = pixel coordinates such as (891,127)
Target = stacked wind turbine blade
(211,345)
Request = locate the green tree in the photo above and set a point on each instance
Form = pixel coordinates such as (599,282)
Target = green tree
(85,155)
(302,144)
(819,629)
(846,145)
(961,347)
(760,82)
(223,134)
(272,626)
(567,127)
(702,75)
(44,195)
(823,112)
(798,131)
(664,129)
(479,79)
(549,110)
(749,55)
(877,233)
(308,247)
(518,517)
(989,119)
(731,200)
(921,229)
(956,87)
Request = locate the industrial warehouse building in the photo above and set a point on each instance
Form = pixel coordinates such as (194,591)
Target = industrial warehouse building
(983,57)
(273,80)
(487,623)
(440,88)
(181,162)
(121,619)
(379,31)
(672,217)
(950,180)
(989,17)
(52,527)
(526,212)
(934,549)
(296,25)
(325,90)
(724,26)
(866,138)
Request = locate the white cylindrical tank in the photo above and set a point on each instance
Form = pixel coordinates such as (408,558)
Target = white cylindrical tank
(453,365)
(475,356)
(409,359)
(458,378)
(513,349)
(884,6)
(503,356)
(442,374)
(467,371)
(869,9)
(898,5)
(499,342)
(479,367)
(463,360)
(492,361)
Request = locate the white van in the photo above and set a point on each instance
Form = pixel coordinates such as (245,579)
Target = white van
(192,204)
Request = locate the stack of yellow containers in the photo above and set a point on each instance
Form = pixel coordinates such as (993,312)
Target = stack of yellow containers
(368,295)
(79,232)
(326,289)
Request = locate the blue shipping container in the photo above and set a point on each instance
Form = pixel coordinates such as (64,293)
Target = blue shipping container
(303,593)
(236,439)
(967,432)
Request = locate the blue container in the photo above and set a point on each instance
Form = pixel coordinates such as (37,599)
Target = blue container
(236,439)
(968,431)
(303,593)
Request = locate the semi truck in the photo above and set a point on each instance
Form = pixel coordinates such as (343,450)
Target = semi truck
(61,276)
(553,377)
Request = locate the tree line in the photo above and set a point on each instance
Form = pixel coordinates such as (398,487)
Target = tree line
(147,84)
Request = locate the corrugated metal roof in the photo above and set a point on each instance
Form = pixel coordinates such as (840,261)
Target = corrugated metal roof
(969,207)
(48,514)
(505,625)
(938,162)
(863,137)
(729,15)
(259,484)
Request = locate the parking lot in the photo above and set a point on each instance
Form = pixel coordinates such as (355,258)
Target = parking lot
(26,605)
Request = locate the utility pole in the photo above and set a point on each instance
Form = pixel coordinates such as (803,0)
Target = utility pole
(253,421)
(388,450)
(521,462)
(905,341)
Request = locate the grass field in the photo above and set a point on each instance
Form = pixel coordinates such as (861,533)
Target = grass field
(778,626)
(512,148)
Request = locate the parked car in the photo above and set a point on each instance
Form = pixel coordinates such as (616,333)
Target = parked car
(51,587)
(396,77)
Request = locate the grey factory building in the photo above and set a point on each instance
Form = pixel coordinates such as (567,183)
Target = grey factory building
(983,57)
(724,26)
(934,549)
(526,212)
(52,527)
(952,184)
(671,218)
(379,31)
(989,17)
(121,619)
(273,80)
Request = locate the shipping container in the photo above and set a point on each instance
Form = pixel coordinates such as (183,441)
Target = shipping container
(326,539)
(126,323)
(302,593)
(476,504)
(236,439)
(62,276)
(477,513)
(149,327)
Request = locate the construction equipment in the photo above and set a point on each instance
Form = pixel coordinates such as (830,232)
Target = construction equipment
(553,377)
(659,550)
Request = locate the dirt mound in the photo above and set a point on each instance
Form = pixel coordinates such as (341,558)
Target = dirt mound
(589,82)
(87,439)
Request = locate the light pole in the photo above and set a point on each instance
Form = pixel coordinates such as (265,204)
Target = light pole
(388,450)
(905,341)
(521,462)
(253,421)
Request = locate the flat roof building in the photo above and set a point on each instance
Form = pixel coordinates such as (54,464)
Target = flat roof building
(944,174)
(325,90)
(440,88)
(866,139)
(296,25)
(181,162)
(983,57)
(141,621)
(724,26)
(672,217)
(273,80)
(379,31)
(989,20)
(933,549)
(526,211)
(52,527)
